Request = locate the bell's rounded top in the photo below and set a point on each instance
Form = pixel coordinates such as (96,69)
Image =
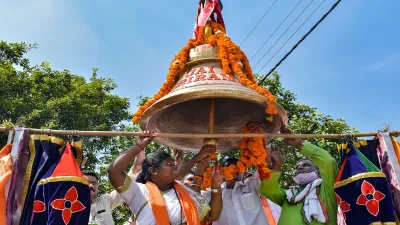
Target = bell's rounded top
(205,51)
(186,108)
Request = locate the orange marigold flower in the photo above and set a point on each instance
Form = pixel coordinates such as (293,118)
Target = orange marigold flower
(135,119)
(254,86)
(138,113)
(213,156)
(157,96)
(272,98)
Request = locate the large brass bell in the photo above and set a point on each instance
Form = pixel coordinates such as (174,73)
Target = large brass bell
(186,109)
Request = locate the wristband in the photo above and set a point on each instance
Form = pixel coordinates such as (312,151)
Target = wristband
(215,190)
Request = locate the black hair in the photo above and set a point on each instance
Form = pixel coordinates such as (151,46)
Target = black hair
(91,173)
(231,161)
(153,160)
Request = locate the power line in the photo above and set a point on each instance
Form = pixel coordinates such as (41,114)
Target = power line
(275,30)
(258,22)
(291,36)
(300,41)
(283,33)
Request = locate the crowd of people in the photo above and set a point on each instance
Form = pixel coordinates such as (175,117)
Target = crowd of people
(161,189)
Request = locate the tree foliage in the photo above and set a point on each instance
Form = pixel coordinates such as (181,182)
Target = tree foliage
(304,119)
(41,97)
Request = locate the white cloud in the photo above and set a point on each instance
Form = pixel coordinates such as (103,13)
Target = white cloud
(388,61)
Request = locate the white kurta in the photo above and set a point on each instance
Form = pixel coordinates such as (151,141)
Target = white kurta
(242,204)
(101,208)
(136,195)
(275,209)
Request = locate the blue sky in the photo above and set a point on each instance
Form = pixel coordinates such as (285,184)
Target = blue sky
(347,68)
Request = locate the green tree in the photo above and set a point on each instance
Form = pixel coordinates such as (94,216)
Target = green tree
(41,97)
(304,119)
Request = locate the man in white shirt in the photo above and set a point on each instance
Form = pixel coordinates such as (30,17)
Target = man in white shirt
(241,201)
(102,206)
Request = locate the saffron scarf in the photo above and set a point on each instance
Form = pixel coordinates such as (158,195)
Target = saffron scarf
(159,208)
(267,211)
(5,174)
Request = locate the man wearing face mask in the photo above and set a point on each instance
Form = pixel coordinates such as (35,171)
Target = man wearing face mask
(313,200)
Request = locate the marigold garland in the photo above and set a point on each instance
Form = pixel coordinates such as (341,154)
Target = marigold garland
(253,153)
(229,171)
(233,60)
(207,178)
(207,175)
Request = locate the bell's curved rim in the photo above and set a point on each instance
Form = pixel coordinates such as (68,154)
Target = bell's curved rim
(180,96)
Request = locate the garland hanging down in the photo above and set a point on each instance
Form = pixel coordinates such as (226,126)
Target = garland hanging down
(233,61)
(207,175)
(252,153)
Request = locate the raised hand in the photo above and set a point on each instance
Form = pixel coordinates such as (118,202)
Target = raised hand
(255,126)
(143,141)
(296,142)
(202,166)
(205,151)
(277,158)
(217,178)
(178,155)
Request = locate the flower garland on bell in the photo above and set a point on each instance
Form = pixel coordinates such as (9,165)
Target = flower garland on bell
(178,64)
(229,171)
(207,175)
(233,60)
(252,153)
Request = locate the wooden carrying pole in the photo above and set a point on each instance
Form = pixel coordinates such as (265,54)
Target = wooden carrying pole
(200,136)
